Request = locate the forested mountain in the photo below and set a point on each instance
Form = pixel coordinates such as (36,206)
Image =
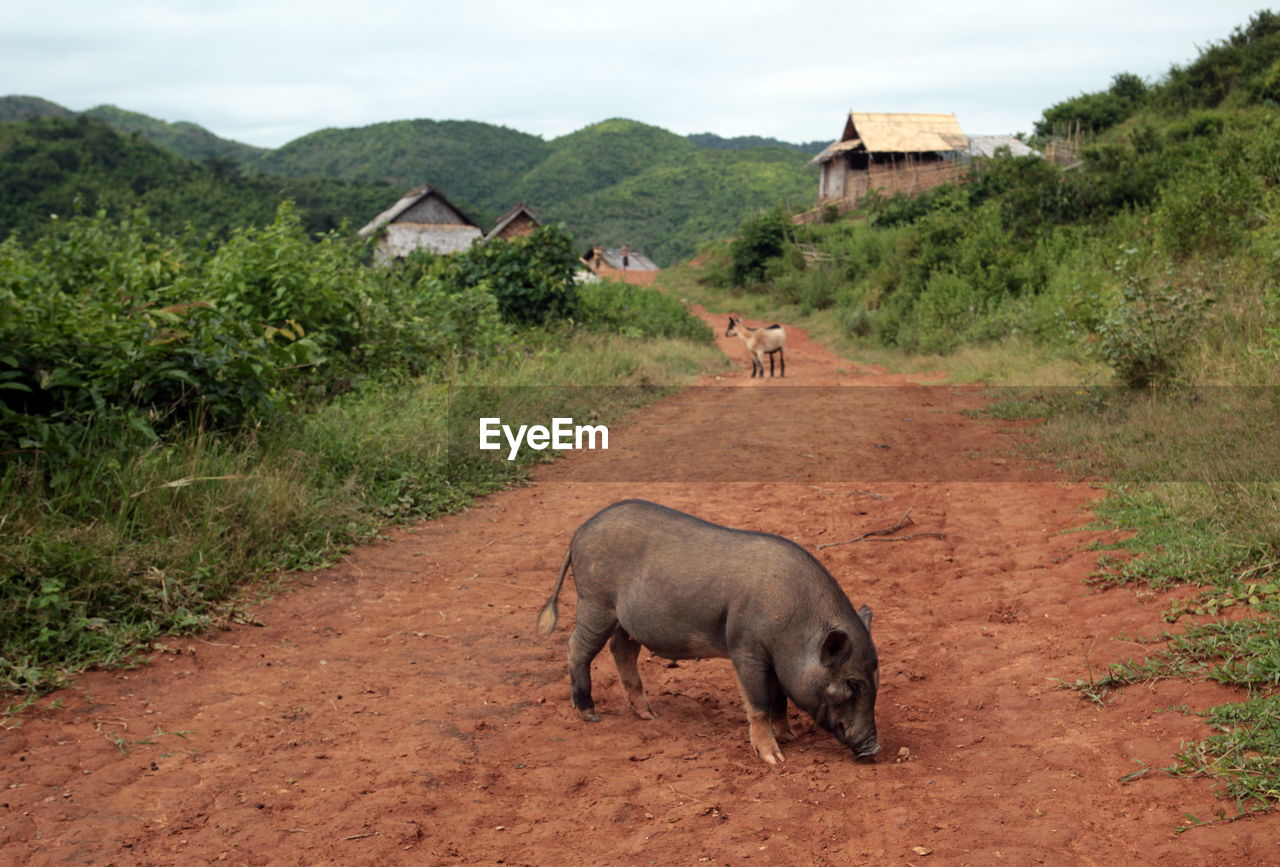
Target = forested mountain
(744,142)
(614,182)
(19,108)
(683,196)
(68,165)
(617,181)
(599,156)
(183,137)
(477,164)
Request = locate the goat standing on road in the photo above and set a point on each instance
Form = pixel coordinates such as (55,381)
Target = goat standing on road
(761,342)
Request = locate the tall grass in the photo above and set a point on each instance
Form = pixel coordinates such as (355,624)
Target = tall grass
(157,537)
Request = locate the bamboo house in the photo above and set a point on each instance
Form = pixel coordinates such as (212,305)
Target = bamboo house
(894,153)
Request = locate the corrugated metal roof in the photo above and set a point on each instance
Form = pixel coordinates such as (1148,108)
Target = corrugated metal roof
(635,261)
(987,145)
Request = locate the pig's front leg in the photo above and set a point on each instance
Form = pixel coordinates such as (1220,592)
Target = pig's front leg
(759,687)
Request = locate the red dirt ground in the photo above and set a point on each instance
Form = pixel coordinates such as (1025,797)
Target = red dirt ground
(397,708)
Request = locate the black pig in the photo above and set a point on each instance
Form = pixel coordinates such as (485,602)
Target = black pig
(685,588)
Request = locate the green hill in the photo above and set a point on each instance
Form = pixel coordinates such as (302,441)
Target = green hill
(711,141)
(64,166)
(597,157)
(612,182)
(475,163)
(15,108)
(670,209)
(183,138)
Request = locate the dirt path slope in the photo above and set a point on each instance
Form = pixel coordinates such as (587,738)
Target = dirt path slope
(397,708)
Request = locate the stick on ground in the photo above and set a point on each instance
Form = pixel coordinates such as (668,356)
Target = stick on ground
(886,531)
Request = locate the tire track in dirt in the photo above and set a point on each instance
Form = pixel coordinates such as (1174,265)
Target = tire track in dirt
(397,708)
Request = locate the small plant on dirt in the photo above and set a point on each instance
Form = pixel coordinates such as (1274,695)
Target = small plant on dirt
(1144,337)
(1244,752)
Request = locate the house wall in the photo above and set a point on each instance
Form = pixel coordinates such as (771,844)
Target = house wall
(831,181)
(914,177)
(401,239)
(520,227)
(845,183)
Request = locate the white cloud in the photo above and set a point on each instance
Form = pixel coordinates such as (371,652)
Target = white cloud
(268,71)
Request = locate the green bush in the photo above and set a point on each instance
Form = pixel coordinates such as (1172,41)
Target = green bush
(92,327)
(759,240)
(532,277)
(637,311)
(1144,338)
(1094,112)
(112,323)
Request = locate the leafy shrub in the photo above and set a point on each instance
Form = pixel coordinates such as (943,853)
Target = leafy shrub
(91,328)
(1208,209)
(1144,338)
(111,325)
(531,277)
(759,240)
(1240,68)
(637,311)
(1094,112)
(277,273)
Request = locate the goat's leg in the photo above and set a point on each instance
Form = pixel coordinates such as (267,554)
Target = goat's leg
(782,362)
(770,365)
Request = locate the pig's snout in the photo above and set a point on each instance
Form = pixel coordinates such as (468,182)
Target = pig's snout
(866,751)
(867,747)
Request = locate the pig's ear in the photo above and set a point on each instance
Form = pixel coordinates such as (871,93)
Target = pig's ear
(865,613)
(836,649)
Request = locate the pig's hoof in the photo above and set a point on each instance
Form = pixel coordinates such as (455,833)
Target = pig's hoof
(773,757)
(769,752)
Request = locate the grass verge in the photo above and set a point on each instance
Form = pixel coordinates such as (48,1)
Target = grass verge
(1009,361)
(1192,471)
(150,539)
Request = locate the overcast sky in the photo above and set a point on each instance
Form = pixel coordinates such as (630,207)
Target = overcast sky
(268,71)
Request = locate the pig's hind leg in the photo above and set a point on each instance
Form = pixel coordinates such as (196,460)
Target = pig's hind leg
(590,632)
(625,650)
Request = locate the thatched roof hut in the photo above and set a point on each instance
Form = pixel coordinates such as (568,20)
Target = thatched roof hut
(892,152)
(519,222)
(424,218)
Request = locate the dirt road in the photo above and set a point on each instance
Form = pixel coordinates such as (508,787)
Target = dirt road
(397,708)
